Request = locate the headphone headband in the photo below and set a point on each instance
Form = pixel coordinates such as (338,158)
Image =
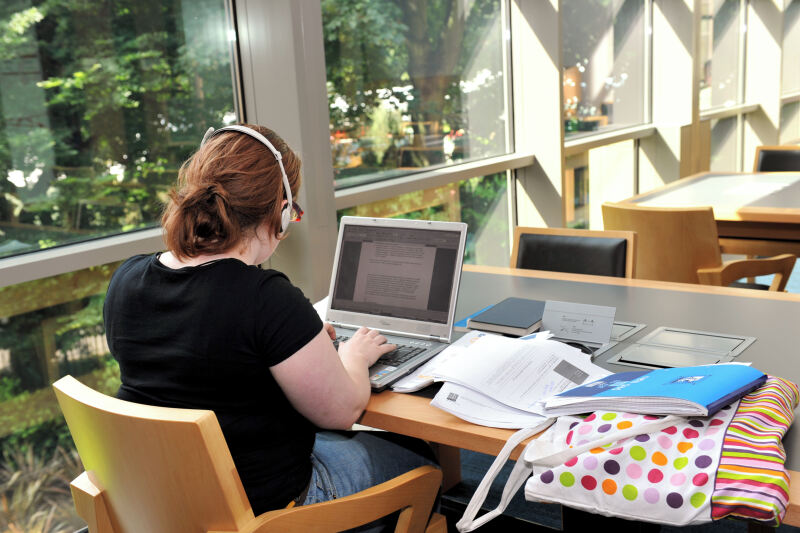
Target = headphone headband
(286,210)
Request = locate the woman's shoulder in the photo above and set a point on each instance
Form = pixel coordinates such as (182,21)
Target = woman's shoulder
(132,265)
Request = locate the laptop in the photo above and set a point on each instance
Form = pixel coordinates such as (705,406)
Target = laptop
(400,277)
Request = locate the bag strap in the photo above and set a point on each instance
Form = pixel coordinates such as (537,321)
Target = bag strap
(538,454)
(515,480)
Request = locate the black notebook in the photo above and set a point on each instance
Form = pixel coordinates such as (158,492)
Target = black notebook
(512,316)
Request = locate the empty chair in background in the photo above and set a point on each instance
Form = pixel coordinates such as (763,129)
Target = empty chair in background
(682,244)
(777,159)
(575,251)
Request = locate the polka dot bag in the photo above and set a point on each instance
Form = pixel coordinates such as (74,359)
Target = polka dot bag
(669,470)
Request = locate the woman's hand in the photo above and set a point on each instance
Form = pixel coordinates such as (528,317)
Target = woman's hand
(330,331)
(365,345)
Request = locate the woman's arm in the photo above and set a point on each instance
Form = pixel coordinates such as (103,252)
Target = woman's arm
(331,389)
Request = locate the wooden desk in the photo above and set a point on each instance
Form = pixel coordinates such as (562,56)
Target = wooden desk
(770,317)
(756,213)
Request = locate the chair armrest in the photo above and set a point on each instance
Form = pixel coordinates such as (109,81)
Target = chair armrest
(780,265)
(90,503)
(412,493)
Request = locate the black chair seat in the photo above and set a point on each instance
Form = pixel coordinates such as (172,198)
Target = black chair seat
(599,256)
(776,159)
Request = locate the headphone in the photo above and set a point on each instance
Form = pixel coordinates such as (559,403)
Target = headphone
(286,211)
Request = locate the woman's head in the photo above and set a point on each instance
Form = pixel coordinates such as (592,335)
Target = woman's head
(229,188)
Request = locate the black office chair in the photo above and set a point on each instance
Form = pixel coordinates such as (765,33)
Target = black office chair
(576,251)
(777,159)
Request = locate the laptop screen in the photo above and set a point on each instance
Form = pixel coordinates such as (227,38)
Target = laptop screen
(396,272)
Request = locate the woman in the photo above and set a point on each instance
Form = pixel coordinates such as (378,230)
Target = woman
(202,326)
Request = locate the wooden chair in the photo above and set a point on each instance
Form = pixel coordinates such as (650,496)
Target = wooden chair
(578,251)
(158,469)
(681,244)
(777,159)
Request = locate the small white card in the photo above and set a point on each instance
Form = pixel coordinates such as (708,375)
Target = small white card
(579,322)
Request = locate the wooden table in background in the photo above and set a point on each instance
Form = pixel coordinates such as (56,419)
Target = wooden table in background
(756,213)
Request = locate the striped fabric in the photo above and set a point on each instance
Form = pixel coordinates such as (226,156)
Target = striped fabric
(752,481)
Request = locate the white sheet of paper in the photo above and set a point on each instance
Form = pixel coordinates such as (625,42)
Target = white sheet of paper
(519,373)
(423,376)
(579,322)
(478,408)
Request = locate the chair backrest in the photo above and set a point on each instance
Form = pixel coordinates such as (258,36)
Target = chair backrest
(161,469)
(577,251)
(672,243)
(777,159)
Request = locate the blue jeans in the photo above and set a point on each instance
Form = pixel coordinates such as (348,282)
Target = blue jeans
(344,463)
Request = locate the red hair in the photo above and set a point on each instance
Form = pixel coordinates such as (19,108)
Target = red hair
(228,188)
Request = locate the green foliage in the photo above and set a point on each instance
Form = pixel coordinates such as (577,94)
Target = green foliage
(34,491)
(37,455)
(9,387)
(12,31)
(384,125)
(409,58)
(364,52)
(129,87)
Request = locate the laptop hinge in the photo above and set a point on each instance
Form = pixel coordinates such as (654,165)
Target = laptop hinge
(435,338)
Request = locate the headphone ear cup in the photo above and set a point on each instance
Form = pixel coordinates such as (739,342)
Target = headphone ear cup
(286,214)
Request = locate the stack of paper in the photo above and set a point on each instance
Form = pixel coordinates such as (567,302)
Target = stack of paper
(502,382)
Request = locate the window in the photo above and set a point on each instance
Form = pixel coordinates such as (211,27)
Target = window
(721,30)
(49,328)
(790,123)
(414,85)
(724,142)
(603,53)
(100,103)
(603,174)
(576,191)
(481,202)
(790,82)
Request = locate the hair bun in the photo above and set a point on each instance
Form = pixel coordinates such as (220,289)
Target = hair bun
(211,193)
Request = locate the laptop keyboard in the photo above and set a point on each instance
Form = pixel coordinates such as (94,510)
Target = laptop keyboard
(396,357)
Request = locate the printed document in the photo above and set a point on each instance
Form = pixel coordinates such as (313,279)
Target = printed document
(378,280)
(478,408)
(519,373)
(423,376)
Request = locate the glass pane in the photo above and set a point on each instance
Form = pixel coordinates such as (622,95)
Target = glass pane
(602,174)
(790,123)
(48,328)
(100,103)
(414,85)
(720,31)
(603,56)
(723,145)
(576,191)
(791,48)
(481,202)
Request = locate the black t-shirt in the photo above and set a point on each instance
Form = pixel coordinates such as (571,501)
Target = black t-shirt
(205,337)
